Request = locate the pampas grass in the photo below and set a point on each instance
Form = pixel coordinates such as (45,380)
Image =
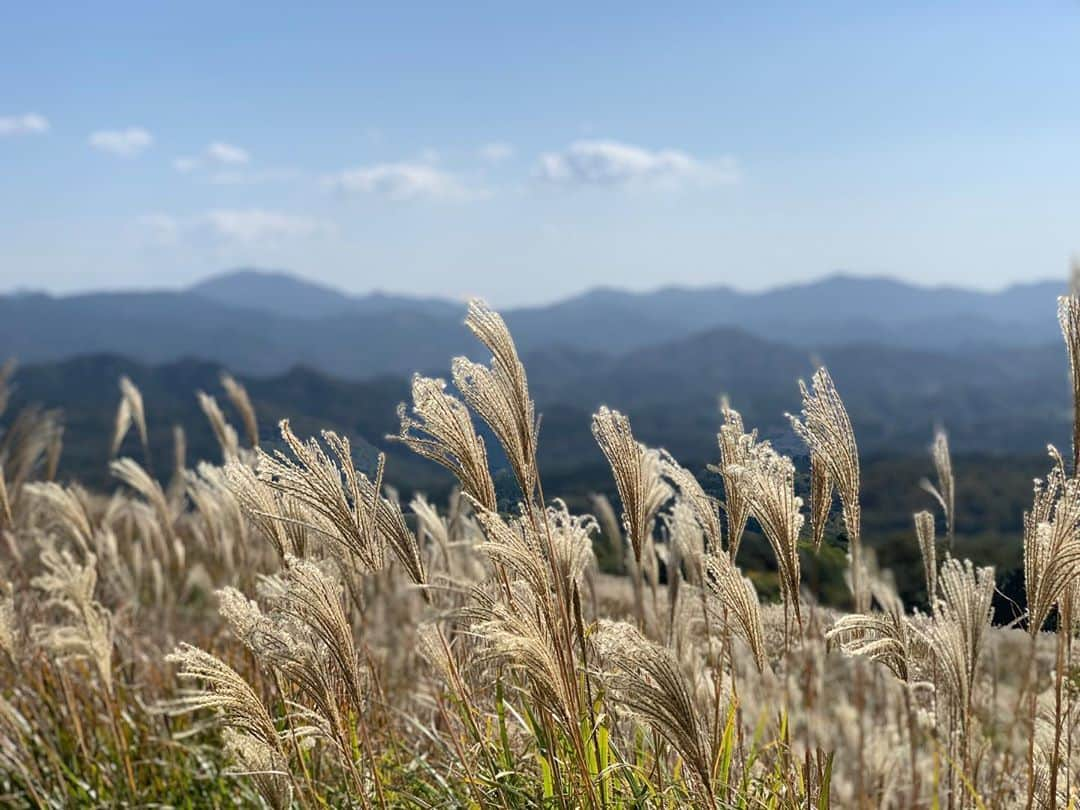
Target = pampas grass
(277,630)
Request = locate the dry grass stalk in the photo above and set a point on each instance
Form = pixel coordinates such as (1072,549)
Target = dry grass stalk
(646,679)
(826,429)
(1051,542)
(702,506)
(238,395)
(735,446)
(1069,318)
(945,491)
(768,483)
(888,637)
(224,691)
(821,498)
(130,411)
(223,431)
(925,534)
(69,587)
(440,429)
(956,637)
(340,502)
(738,596)
(499,393)
(279,517)
(638,476)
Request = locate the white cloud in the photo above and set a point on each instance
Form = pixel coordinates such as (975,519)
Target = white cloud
(249,226)
(122,142)
(218,154)
(496,152)
(611,163)
(25,124)
(257,225)
(227,154)
(401,181)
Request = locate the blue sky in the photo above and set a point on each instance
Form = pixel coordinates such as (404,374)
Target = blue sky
(526,153)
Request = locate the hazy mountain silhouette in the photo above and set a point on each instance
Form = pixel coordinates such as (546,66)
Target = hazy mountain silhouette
(287,295)
(1010,401)
(263,323)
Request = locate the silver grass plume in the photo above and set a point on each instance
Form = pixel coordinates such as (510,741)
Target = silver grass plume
(499,393)
(1051,542)
(306,638)
(390,521)
(889,637)
(826,429)
(738,595)
(431,527)
(179,450)
(924,533)
(9,627)
(129,411)
(65,510)
(30,447)
(266,767)
(517,545)
(686,544)
(767,481)
(1069,318)
(646,679)
(278,517)
(224,691)
(522,637)
(238,396)
(440,428)
(638,475)
(129,471)
(571,545)
(945,491)
(691,493)
(735,446)
(312,598)
(957,632)
(69,587)
(609,525)
(223,431)
(341,501)
(821,498)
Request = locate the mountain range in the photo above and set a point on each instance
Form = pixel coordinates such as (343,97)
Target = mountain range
(265,323)
(991,367)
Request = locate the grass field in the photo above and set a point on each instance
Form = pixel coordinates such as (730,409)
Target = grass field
(281,629)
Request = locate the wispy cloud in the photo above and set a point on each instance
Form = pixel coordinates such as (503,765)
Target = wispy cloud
(25,124)
(612,163)
(216,155)
(249,226)
(402,181)
(496,152)
(227,154)
(122,142)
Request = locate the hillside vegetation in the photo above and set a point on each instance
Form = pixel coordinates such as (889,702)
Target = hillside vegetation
(279,626)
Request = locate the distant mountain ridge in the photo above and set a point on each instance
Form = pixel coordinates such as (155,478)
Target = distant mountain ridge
(1011,401)
(265,322)
(288,295)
